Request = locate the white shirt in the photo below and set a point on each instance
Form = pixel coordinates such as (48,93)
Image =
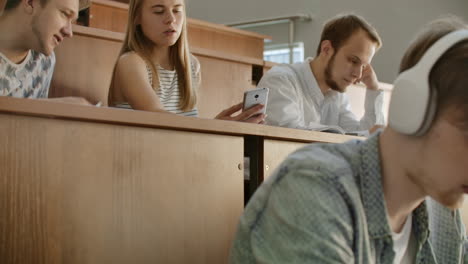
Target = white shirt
(404,244)
(29,79)
(296,101)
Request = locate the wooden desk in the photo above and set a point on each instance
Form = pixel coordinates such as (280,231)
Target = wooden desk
(78,189)
(113,16)
(82,184)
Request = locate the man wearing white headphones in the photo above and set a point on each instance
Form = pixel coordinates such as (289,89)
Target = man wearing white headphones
(393,198)
(30,30)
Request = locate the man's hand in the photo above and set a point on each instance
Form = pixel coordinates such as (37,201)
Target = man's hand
(369,78)
(70,100)
(250,115)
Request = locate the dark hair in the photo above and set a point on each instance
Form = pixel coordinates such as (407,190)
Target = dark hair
(12,4)
(449,75)
(340,28)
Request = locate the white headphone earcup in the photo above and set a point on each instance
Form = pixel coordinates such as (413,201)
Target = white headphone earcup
(413,104)
(409,103)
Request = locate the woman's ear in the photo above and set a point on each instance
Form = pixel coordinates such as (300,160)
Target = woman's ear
(137,20)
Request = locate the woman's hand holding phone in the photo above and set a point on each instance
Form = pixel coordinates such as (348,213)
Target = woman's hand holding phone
(249,115)
(253,108)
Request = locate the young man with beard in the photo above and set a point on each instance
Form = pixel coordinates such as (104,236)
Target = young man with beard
(392,198)
(305,94)
(30,30)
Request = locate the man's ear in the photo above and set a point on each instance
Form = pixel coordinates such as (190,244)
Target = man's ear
(326,48)
(29,5)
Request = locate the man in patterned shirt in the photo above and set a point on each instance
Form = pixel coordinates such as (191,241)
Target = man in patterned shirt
(29,32)
(393,198)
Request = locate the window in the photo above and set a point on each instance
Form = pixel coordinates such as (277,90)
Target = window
(280,53)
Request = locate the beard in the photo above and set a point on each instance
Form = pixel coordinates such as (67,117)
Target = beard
(329,78)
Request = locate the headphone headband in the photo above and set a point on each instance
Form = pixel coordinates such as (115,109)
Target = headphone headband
(432,55)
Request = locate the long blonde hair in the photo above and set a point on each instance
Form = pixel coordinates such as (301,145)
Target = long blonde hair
(180,55)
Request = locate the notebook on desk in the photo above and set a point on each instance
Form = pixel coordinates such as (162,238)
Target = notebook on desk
(336,130)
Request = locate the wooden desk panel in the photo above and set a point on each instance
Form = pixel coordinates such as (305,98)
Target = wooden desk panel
(108,15)
(85,65)
(267,65)
(113,16)
(274,152)
(223,85)
(80,192)
(204,37)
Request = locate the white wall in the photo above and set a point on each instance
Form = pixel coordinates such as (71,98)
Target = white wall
(396,20)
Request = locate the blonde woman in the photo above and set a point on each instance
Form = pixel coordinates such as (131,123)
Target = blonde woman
(155,70)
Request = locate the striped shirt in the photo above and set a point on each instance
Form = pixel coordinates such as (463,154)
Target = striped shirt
(168,92)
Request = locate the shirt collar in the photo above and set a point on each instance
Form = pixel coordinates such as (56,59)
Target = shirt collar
(22,63)
(372,190)
(373,197)
(312,89)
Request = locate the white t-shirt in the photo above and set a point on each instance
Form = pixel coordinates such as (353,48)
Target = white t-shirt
(28,79)
(404,244)
(296,101)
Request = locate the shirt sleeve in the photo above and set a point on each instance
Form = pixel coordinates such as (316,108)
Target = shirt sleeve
(283,108)
(305,220)
(373,114)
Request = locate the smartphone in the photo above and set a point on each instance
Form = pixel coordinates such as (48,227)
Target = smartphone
(255,97)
